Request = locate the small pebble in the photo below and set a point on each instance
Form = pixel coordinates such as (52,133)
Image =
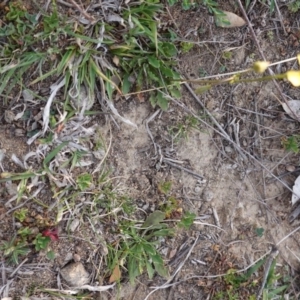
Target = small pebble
(145,206)
(74,224)
(197,189)
(9,116)
(228,149)
(290,168)
(76,257)
(19,132)
(75,274)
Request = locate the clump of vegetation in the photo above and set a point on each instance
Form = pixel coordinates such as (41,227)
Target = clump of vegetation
(291,143)
(137,249)
(182,130)
(13,249)
(84,59)
(235,286)
(294,6)
(211,5)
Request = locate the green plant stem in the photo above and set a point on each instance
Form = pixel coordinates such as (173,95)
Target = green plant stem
(232,80)
(265,78)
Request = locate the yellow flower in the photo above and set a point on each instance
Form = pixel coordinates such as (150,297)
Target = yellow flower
(293,77)
(260,66)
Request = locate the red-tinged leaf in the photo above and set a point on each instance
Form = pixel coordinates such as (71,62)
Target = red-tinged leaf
(51,233)
(116,274)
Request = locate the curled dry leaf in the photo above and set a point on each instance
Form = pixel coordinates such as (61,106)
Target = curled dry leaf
(292,108)
(229,20)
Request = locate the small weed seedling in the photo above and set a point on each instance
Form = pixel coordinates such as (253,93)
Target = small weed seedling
(165,187)
(13,249)
(211,5)
(137,249)
(291,143)
(182,130)
(41,242)
(294,6)
(187,220)
(21,214)
(237,285)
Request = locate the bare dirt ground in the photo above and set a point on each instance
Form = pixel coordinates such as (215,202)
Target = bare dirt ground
(237,193)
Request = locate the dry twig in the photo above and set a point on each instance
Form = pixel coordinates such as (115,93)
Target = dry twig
(84,13)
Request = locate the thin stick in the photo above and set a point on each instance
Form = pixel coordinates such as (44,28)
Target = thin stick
(17,268)
(89,17)
(216,217)
(280,18)
(287,236)
(65,3)
(148,130)
(207,224)
(167,161)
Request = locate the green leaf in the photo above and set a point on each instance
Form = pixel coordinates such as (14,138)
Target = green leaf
(149,249)
(21,214)
(109,87)
(165,187)
(277,291)
(51,255)
(164,232)
(168,72)
(126,84)
(150,270)
(162,102)
(259,232)
(17,176)
(187,220)
(291,144)
(172,2)
(175,92)
(84,181)
(51,22)
(153,100)
(168,49)
(53,153)
(152,76)
(159,266)
(25,231)
(186,46)
(41,242)
(155,218)
(133,270)
(254,268)
(154,62)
